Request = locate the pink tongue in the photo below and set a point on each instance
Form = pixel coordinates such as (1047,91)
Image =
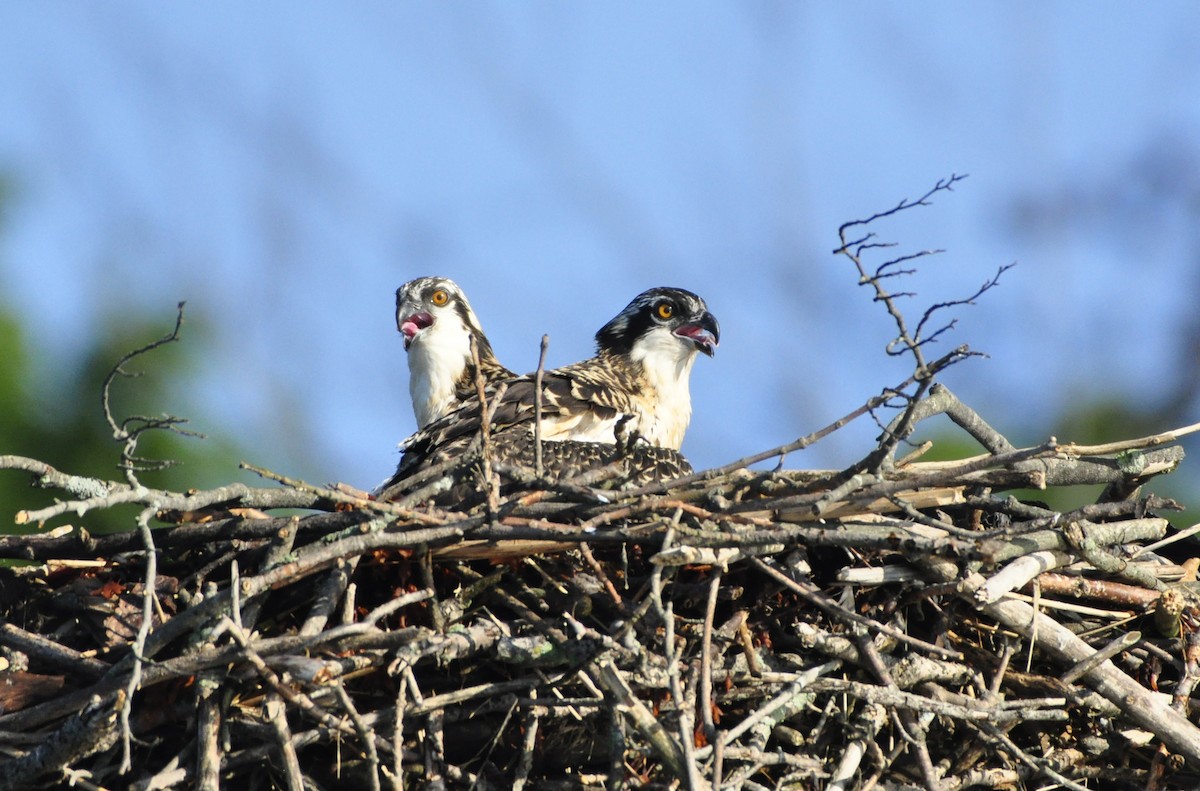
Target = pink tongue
(697,333)
(410,328)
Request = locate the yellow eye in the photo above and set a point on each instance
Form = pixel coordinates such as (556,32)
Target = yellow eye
(439,297)
(665,310)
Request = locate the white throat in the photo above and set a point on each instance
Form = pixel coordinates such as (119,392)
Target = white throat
(667,365)
(436,361)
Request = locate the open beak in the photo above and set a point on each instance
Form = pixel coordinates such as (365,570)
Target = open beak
(411,324)
(704,333)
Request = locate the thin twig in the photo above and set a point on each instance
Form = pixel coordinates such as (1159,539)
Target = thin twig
(149,582)
(130,462)
(537,407)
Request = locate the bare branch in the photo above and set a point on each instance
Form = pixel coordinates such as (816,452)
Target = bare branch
(130,429)
(537,406)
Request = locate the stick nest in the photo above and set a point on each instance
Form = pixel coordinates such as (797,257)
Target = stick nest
(897,624)
(915,626)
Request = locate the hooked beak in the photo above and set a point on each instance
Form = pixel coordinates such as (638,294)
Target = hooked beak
(704,333)
(410,325)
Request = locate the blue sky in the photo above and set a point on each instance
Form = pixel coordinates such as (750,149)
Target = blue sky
(285,167)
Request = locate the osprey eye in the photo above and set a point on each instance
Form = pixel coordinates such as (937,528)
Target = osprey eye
(439,297)
(665,310)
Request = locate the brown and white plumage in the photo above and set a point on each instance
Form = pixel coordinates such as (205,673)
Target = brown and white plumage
(453,475)
(438,325)
(637,384)
(642,368)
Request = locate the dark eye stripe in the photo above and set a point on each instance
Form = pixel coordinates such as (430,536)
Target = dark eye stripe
(468,319)
(619,334)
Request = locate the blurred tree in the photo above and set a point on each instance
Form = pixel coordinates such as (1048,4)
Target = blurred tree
(65,427)
(1145,209)
(67,430)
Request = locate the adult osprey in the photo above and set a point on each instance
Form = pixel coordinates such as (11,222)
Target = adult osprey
(438,325)
(632,395)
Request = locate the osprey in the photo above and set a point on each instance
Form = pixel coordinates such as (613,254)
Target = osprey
(639,375)
(636,385)
(436,320)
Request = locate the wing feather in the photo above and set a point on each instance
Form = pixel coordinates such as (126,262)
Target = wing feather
(461,484)
(586,400)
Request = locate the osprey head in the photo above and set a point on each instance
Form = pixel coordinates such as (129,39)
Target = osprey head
(424,303)
(439,329)
(663,318)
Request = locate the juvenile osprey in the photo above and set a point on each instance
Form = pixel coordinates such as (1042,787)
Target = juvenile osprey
(637,381)
(436,320)
(641,369)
